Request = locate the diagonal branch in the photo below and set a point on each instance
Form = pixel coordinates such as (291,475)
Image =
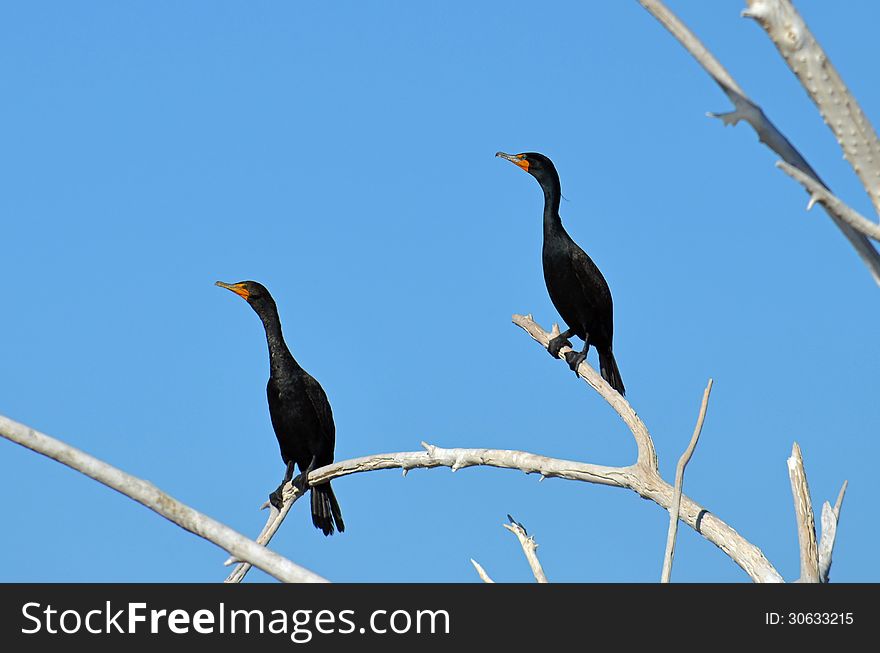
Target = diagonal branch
(679,482)
(529,547)
(831,203)
(746,109)
(481,572)
(823,83)
(647,457)
(803,512)
(153,498)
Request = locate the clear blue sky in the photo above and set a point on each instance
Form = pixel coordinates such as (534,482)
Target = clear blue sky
(342,154)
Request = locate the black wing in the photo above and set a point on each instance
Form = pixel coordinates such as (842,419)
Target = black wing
(597,296)
(321,405)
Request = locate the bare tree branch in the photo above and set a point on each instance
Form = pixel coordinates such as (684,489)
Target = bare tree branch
(746,109)
(647,456)
(153,498)
(803,512)
(839,502)
(831,203)
(817,75)
(679,483)
(830,519)
(649,486)
(482,572)
(529,547)
(268,532)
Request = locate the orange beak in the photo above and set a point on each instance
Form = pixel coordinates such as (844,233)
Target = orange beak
(238,288)
(516,159)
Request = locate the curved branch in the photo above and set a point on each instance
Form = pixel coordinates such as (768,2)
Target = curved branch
(679,482)
(155,499)
(647,454)
(642,477)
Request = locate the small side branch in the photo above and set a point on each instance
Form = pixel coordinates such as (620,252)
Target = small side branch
(830,519)
(155,499)
(803,511)
(679,483)
(831,203)
(481,572)
(529,547)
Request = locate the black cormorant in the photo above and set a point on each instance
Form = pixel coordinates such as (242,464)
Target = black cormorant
(576,286)
(299,409)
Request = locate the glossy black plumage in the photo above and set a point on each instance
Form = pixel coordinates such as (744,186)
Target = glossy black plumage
(576,286)
(299,409)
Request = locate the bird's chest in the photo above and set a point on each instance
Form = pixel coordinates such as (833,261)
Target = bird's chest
(292,413)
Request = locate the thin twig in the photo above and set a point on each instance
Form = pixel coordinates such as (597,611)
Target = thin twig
(746,109)
(482,572)
(529,547)
(155,499)
(679,483)
(830,521)
(803,512)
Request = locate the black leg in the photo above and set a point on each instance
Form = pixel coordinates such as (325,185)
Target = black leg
(275,497)
(302,481)
(559,342)
(575,358)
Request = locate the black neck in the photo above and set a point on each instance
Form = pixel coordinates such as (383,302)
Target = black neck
(280,358)
(552,195)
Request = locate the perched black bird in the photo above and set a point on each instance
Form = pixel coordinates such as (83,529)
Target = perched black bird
(299,409)
(576,286)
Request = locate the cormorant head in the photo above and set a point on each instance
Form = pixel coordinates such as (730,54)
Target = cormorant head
(252,292)
(537,165)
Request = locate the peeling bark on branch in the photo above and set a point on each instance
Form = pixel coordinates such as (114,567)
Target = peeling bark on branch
(803,512)
(529,547)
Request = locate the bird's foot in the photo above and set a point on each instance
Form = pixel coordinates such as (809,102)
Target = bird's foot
(276,498)
(556,344)
(574,359)
(301,482)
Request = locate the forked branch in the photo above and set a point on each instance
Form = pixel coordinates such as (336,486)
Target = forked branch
(747,110)
(642,477)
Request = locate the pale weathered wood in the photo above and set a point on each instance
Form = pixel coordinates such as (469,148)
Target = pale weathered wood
(679,485)
(746,109)
(481,572)
(803,512)
(840,110)
(529,547)
(155,499)
(831,203)
(830,519)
